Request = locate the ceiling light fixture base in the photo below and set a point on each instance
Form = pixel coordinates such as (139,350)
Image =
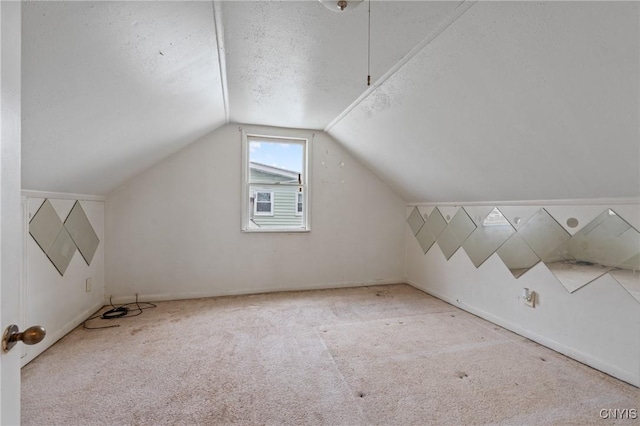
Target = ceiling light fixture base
(340,5)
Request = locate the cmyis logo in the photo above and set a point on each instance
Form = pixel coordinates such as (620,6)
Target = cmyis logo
(619,413)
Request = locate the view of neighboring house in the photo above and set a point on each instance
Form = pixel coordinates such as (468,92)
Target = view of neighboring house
(277,203)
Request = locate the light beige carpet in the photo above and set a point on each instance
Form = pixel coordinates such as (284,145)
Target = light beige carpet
(385,355)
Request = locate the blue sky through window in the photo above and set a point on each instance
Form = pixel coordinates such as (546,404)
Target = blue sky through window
(287,156)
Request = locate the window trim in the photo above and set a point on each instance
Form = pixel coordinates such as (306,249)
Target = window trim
(249,133)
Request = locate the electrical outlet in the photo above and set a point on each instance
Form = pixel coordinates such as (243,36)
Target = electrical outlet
(529,297)
(89,284)
(532,300)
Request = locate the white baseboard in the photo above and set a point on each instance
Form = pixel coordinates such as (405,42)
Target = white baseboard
(582,357)
(162,297)
(54,335)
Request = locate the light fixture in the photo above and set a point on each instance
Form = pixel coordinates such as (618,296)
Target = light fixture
(340,5)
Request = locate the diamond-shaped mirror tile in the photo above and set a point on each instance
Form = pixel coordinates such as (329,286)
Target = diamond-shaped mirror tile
(460,227)
(486,239)
(543,234)
(61,251)
(448,243)
(628,275)
(604,243)
(517,255)
(436,223)
(45,226)
(59,240)
(415,221)
(575,275)
(82,232)
(425,239)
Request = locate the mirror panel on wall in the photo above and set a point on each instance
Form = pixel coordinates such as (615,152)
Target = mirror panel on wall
(448,243)
(517,255)
(61,251)
(426,231)
(456,232)
(49,233)
(425,239)
(606,245)
(45,226)
(415,221)
(543,234)
(488,237)
(628,275)
(436,223)
(60,240)
(462,225)
(600,246)
(81,232)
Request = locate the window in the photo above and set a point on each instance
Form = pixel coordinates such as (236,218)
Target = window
(275,183)
(299,203)
(263,203)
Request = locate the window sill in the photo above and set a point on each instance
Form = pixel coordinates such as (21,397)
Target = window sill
(277,230)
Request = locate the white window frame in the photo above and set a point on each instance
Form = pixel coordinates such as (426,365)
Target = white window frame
(271,202)
(251,133)
(299,201)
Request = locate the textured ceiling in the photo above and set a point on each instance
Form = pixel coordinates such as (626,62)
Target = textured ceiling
(471,101)
(514,101)
(297,64)
(110,88)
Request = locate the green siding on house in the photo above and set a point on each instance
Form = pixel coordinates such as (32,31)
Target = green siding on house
(284,201)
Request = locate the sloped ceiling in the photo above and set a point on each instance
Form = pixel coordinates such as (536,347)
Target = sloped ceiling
(514,101)
(471,101)
(297,64)
(110,88)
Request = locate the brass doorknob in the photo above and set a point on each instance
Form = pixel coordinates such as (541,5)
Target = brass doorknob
(30,336)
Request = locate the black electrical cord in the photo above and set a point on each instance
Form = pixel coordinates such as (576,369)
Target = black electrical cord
(115,313)
(122,311)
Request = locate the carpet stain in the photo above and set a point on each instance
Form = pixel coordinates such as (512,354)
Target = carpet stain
(138,330)
(543,359)
(361,394)
(461,374)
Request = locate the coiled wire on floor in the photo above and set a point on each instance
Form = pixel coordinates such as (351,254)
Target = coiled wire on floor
(119,312)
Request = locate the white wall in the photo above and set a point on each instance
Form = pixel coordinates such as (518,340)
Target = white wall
(174,231)
(60,303)
(598,325)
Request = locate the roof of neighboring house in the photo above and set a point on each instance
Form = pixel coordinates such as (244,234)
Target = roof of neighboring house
(274,170)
